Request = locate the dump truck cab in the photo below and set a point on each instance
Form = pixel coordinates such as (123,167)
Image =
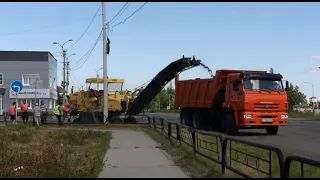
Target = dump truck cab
(257,100)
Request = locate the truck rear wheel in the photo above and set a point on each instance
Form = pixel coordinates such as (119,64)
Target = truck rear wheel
(185,117)
(196,120)
(273,130)
(230,124)
(182,119)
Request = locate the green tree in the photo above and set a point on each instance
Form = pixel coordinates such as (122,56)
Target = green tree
(164,99)
(295,96)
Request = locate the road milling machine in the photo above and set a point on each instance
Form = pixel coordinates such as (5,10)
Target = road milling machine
(88,105)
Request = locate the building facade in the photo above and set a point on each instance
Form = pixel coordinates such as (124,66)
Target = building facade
(37,70)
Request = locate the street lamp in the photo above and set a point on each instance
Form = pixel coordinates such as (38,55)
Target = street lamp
(98,76)
(73,54)
(63,43)
(312,93)
(64,53)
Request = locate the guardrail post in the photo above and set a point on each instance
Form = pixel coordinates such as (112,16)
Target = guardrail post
(154,123)
(169,130)
(194,143)
(224,157)
(149,121)
(178,133)
(162,124)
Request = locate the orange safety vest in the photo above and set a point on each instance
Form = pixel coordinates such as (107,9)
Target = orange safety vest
(24,107)
(66,107)
(12,110)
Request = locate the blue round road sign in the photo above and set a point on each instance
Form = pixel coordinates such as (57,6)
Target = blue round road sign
(16,86)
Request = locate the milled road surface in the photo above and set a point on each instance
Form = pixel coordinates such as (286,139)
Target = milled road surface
(133,154)
(301,136)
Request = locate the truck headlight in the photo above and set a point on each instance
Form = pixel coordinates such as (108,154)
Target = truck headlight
(283,116)
(247,116)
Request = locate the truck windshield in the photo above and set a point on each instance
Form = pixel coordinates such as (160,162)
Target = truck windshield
(263,85)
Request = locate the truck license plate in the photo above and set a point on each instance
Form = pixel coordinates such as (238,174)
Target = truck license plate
(266,120)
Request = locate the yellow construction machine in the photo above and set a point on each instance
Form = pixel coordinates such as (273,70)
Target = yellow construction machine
(89,104)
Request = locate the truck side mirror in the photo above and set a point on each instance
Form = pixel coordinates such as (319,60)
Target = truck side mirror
(287,86)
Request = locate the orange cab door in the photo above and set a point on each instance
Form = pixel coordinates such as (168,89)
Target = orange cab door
(236,90)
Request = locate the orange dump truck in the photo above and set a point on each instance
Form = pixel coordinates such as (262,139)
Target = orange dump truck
(233,100)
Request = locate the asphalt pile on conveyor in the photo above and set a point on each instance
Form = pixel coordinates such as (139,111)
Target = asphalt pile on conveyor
(160,81)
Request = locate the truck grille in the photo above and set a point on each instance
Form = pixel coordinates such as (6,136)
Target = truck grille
(266,106)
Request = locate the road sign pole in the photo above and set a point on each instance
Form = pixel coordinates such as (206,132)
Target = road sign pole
(16,119)
(16,86)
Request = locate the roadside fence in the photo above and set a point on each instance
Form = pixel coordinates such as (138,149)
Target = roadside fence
(226,151)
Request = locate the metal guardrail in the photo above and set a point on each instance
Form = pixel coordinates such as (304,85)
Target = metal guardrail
(190,137)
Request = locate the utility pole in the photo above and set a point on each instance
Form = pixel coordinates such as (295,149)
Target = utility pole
(105,64)
(68,72)
(98,77)
(312,98)
(64,54)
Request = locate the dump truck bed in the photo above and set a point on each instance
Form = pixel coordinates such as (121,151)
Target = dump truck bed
(202,93)
(194,93)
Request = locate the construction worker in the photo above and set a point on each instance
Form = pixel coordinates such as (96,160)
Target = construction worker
(12,112)
(66,110)
(57,112)
(24,111)
(44,113)
(36,114)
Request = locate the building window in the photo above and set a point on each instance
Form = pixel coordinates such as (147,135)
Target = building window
(50,85)
(34,103)
(50,103)
(54,83)
(1,79)
(26,78)
(20,101)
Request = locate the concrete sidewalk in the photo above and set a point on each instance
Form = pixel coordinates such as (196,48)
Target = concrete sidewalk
(134,154)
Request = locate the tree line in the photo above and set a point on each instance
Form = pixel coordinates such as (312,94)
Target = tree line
(165,99)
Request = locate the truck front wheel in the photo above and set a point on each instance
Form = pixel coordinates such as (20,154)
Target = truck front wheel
(230,124)
(273,130)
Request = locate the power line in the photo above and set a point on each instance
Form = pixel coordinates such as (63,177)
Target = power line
(87,55)
(95,15)
(75,79)
(115,17)
(122,22)
(47,27)
(79,61)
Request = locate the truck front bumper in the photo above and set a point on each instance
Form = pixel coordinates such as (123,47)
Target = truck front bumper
(263,119)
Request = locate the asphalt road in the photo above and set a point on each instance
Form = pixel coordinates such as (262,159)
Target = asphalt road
(301,136)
